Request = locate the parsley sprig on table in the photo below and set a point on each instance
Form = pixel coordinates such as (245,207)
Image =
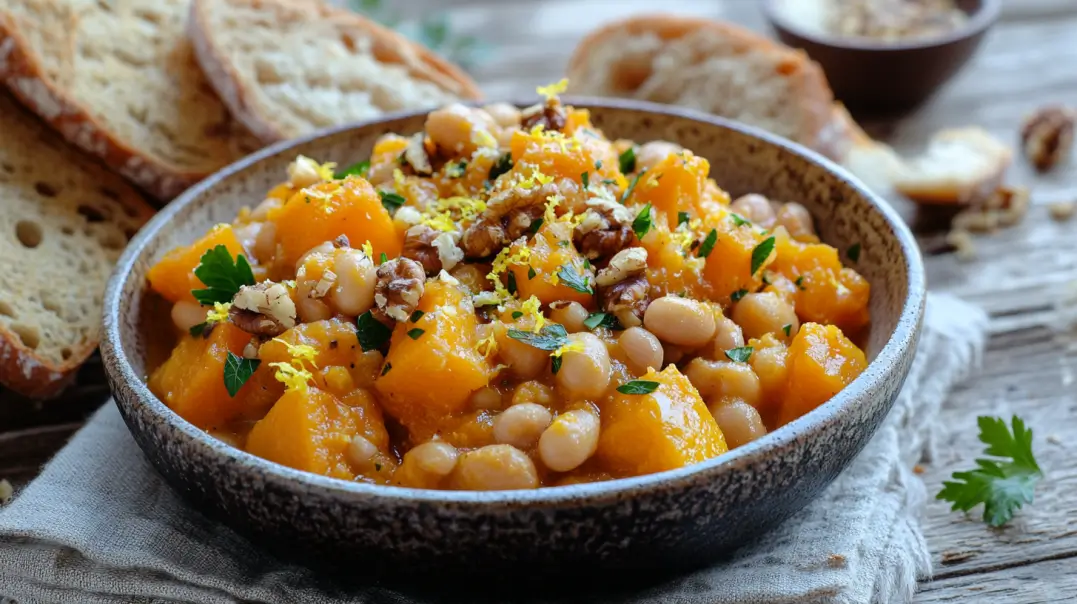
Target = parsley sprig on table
(1002,485)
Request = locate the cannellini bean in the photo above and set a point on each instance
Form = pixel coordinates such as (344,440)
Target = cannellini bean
(262,210)
(739,421)
(521,425)
(425,465)
(356,276)
(724,380)
(524,361)
(756,208)
(361,451)
(796,219)
(584,374)
(503,114)
(763,313)
(533,392)
(486,398)
(458,129)
(569,441)
(265,243)
(187,314)
(651,153)
(570,314)
(727,335)
(495,468)
(642,348)
(680,321)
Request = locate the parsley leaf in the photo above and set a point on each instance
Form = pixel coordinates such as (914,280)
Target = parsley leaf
(578,282)
(585,178)
(1002,486)
(738,220)
(601,319)
(503,165)
(415,316)
(740,354)
(511,286)
(708,244)
(550,337)
(800,283)
(388,367)
(415,333)
(642,223)
(853,252)
(391,201)
(536,225)
(682,217)
(737,295)
(199,329)
(531,274)
(788,327)
(638,387)
(555,365)
(221,276)
(237,370)
(517,314)
(632,186)
(383,259)
(456,169)
(761,253)
(627,160)
(371,332)
(357,169)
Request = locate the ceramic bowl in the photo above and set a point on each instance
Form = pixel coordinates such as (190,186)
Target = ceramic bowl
(872,76)
(672,519)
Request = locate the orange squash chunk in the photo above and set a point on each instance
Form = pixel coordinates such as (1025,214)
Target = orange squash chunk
(327,210)
(673,185)
(551,249)
(173,276)
(433,373)
(821,361)
(668,428)
(834,297)
(309,430)
(569,157)
(669,271)
(793,258)
(191,381)
(729,265)
(334,342)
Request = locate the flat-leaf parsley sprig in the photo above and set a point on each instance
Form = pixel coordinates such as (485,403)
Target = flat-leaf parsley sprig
(1002,485)
(221,275)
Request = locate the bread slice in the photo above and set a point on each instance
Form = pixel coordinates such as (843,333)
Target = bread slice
(709,65)
(63,224)
(288,67)
(959,166)
(119,79)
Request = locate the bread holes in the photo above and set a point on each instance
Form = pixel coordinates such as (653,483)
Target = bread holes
(28,335)
(45,189)
(91,213)
(65,353)
(266,73)
(112,240)
(66,230)
(149,17)
(50,303)
(114,196)
(6,167)
(6,309)
(29,233)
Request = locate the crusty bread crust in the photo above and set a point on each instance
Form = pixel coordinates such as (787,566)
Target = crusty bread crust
(82,213)
(814,94)
(240,93)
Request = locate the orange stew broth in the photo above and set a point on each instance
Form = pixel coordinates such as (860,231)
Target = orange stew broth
(584,309)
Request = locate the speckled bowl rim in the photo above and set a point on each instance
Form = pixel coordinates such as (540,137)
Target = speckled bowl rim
(981,21)
(905,334)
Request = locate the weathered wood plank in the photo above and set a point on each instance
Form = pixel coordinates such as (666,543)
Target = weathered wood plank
(1040,583)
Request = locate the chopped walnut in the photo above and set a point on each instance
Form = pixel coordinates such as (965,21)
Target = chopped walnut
(399,287)
(341,242)
(623,288)
(419,246)
(449,254)
(1062,211)
(416,156)
(550,115)
(518,223)
(483,238)
(265,309)
(303,172)
(605,230)
(250,351)
(1006,207)
(1047,136)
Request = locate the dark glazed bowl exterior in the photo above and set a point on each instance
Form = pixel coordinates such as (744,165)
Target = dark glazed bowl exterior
(870,76)
(672,519)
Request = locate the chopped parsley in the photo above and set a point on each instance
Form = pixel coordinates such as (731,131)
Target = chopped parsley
(517,314)
(555,364)
(708,244)
(199,329)
(562,243)
(598,164)
(536,225)
(388,367)
(642,223)
(531,273)
(221,276)
(511,285)
(456,169)
(682,218)
(574,280)
(601,319)
(739,221)
(737,295)
(237,370)
(415,316)
(853,252)
(372,333)
(415,333)
(585,178)
(740,354)
(800,283)
(550,337)
(631,186)
(391,201)
(787,328)
(383,258)
(627,160)
(638,387)
(356,169)
(761,253)
(501,166)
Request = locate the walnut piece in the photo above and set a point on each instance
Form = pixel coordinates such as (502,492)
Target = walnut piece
(550,115)
(1047,136)
(623,287)
(624,264)
(264,309)
(605,230)
(419,246)
(399,287)
(483,238)
(416,156)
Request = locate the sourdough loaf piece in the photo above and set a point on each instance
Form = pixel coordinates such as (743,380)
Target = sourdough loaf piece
(119,79)
(959,166)
(63,224)
(709,65)
(286,68)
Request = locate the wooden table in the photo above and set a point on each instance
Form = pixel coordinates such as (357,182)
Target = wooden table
(1023,277)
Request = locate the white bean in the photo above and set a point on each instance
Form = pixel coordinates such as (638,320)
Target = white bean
(680,321)
(642,348)
(187,314)
(569,441)
(584,374)
(495,468)
(521,425)
(356,277)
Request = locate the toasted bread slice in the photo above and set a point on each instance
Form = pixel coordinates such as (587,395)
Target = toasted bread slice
(64,222)
(286,68)
(959,166)
(709,65)
(119,79)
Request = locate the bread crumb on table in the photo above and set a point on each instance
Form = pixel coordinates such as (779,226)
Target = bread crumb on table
(961,241)
(918,469)
(6,491)
(836,561)
(1062,210)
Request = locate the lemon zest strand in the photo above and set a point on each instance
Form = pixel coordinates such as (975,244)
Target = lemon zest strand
(292,377)
(550,91)
(219,313)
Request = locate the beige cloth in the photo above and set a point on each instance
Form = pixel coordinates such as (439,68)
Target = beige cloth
(100,526)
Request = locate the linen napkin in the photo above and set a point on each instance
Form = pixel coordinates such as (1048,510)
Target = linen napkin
(100,526)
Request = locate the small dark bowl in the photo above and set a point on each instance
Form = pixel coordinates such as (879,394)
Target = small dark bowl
(677,518)
(872,76)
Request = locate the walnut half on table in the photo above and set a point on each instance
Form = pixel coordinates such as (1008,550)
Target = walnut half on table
(1047,136)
